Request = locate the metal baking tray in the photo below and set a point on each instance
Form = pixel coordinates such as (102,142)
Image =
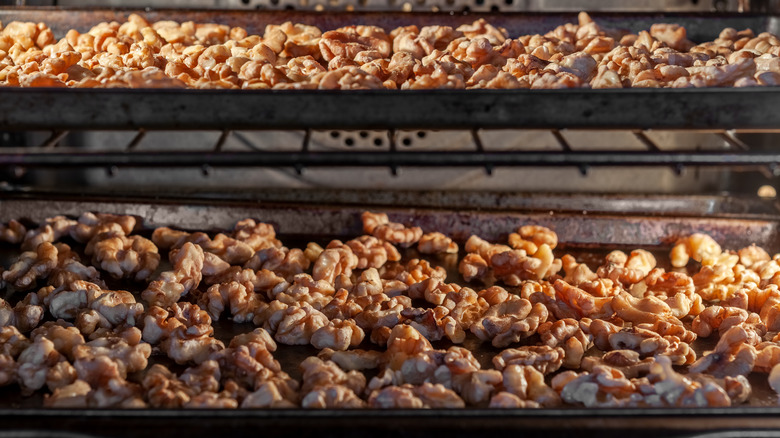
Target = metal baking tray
(600,227)
(386,109)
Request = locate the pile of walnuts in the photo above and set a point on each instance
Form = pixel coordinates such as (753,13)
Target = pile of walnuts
(389,325)
(141,54)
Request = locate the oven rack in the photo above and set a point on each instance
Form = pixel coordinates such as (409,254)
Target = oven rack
(741,150)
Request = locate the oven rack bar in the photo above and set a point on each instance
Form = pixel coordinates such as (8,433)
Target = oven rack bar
(385,159)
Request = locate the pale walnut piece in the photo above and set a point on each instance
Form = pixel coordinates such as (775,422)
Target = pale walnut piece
(338,335)
(697,247)
(184,332)
(89,225)
(569,335)
(32,266)
(52,230)
(379,225)
(258,235)
(436,243)
(124,256)
(528,383)
(229,249)
(543,358)
(188,264)
(13,232)
(297,324)
(242,302)
(22,316)
(510,322)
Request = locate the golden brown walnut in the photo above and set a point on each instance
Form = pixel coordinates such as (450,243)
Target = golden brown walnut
(767,356)
(89,225)
(627,270)
(304,289)
(579,303)
(465,306)
(351,40)
(64,336)
(60,375)
(250,365)
(483,248)
(404,341)
(129,356)
(437,396)
(676,289)
(275,392)
(94,308)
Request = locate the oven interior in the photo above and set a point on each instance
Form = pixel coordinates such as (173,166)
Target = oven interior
(640,185)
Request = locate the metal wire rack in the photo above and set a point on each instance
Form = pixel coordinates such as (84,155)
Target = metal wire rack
(736,153)
(299,153)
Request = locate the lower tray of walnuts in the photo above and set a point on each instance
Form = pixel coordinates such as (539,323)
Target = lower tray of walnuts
(96,313)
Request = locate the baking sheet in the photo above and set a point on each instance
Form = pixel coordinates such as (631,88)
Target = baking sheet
(386,109)
(296,223)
